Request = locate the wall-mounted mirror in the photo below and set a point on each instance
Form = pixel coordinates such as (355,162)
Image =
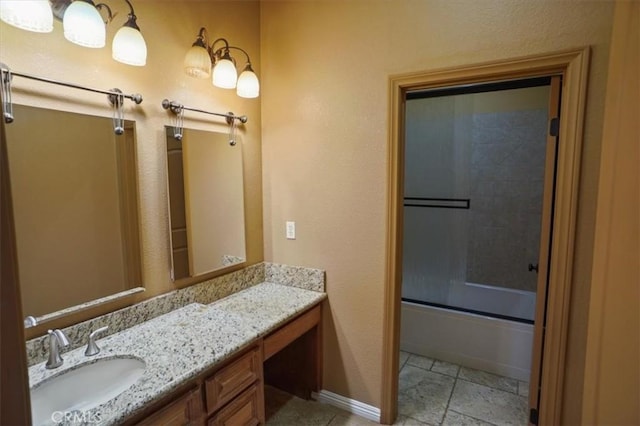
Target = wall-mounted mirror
(206,202)
(74,192)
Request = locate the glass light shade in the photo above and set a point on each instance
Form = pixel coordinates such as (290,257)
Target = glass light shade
(83,25)
(197,62)
(28,15)
(225,74)
(129,47)
(248,84)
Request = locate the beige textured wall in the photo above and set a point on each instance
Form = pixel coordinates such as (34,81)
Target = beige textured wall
(169,27)
(325,74)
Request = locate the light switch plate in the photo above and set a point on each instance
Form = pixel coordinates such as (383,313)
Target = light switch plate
(291,230)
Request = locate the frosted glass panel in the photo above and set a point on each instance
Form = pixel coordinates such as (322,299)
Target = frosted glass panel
(488,148)
(437,147)
(434,252)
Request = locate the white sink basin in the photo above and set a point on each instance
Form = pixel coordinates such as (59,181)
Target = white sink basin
(83,388)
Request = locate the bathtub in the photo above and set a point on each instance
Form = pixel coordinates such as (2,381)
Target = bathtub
(500,346)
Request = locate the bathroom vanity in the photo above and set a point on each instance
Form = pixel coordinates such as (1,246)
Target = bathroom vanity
(207,364)
(232,393)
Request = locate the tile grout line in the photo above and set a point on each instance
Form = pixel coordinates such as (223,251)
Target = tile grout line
(474,418)
(491,387)
(460,367)
(331,419)
(455,382)
(404,365)
(457,377)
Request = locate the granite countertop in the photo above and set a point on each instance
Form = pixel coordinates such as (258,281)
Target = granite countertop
(178,346)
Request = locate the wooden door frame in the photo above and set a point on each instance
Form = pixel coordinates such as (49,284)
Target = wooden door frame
(573,66)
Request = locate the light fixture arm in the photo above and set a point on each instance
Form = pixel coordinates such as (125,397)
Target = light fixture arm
(243,51)
(131,21)
(215,54)
(58,7)
(226,45)
(99,6)
(221,52)
(131,11)
(201,41)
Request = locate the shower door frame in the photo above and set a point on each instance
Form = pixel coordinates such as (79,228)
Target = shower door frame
(572,66)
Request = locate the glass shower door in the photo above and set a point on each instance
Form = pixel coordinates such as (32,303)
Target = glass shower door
(474,172)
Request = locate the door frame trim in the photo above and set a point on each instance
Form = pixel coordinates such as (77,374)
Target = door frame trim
(573,66)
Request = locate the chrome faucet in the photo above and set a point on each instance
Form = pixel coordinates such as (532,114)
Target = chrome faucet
(57,339)
(92,348)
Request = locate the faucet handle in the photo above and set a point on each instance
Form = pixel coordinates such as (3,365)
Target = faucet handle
(92,348)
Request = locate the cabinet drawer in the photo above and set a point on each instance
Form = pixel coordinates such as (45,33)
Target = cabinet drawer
(245,410)
(280,338)
(186,410)
(233,379)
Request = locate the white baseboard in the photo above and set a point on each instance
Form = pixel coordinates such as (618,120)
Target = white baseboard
(361,409)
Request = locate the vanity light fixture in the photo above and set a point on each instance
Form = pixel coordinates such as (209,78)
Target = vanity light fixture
(30,15)
(82,24)
(201,58)
(128,45)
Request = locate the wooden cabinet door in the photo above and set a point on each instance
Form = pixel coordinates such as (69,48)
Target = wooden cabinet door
(245,410)
(186,410)
(229,381)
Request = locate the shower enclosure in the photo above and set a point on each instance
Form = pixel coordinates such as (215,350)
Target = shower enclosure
(474,180)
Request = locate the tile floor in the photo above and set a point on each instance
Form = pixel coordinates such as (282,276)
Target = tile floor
(431,393)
